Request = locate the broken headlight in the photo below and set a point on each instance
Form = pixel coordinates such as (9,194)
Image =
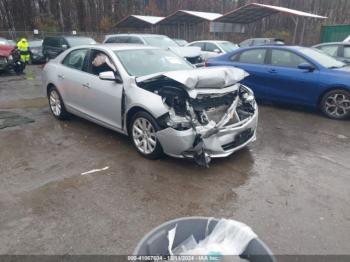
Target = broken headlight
(247,103)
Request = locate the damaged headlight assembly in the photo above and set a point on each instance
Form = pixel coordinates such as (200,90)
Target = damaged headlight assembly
(204,116)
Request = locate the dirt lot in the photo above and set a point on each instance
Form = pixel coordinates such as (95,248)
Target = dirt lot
(292,186)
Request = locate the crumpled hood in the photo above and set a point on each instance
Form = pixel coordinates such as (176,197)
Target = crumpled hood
(6,50)
(202,78)
(187,51)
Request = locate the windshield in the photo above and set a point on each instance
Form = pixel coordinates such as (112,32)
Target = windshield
(228,46)
(160,41)
(143,62)
(322,58)
(75,41)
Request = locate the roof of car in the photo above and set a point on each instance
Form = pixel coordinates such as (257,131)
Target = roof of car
(333,43)
(119,47)
(211,41)
(112,35)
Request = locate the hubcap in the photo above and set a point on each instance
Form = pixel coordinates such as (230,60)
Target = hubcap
(337,105)
(55,103)
(144,136)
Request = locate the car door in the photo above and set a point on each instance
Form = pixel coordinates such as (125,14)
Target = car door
(253,61)
(103,98)
(71,75)
(288,83)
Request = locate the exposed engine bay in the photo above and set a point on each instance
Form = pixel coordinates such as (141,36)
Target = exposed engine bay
(202,106)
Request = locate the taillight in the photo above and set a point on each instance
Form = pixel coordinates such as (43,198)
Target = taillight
(206,63)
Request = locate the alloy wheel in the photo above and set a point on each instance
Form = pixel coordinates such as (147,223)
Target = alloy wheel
(337,105)
(55,103)
(144,136)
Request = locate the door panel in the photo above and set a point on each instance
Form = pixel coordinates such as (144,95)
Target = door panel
(287,82)
(71,78)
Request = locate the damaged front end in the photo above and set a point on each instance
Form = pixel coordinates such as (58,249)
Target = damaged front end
(210,113)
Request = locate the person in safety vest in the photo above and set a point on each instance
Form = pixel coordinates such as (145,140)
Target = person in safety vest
(23,47)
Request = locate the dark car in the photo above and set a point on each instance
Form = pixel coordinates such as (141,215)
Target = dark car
(261,41)
(55,45)
(10,59)
(339,50)
(294,75)
(36,51)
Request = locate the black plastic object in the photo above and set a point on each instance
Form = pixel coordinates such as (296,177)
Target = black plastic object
(156,242)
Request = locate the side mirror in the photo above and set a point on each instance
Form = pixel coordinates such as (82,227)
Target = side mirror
(110,76)
(64,46)
(306,66)
(217,51)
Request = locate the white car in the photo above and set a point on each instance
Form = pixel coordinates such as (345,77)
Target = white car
(212,48)
(155,97)
(347,39)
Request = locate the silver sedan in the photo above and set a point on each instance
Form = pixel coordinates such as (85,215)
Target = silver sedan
(155,97)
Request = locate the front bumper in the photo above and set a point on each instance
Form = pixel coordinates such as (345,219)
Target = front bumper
(223,143)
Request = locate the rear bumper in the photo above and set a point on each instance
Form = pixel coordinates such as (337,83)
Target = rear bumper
(223,143)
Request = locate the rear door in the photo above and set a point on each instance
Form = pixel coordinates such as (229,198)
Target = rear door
(71,79)
(253,61)
(286,81)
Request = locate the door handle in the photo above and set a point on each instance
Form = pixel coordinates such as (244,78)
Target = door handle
(87,85)
(272,71)
(61,76)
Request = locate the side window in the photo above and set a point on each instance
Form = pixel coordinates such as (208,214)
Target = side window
(200,44)
(347,51)
(100,62)
(286,59)
(210,47)
(331,50)
(75,59)
(134,40)
(255,56)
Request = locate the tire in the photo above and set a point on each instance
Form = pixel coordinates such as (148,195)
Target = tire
(335,104)
(56,104)
(19,69)
(143,128)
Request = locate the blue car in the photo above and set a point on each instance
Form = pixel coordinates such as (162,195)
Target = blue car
(294,75)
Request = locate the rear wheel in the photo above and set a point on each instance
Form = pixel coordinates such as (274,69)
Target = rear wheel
(56,104)
(336,104)
(143,131)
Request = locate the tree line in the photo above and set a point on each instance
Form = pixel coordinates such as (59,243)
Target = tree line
(101,15)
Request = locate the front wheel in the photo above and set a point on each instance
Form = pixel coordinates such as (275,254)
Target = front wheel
(143,130)
(56,104)
(336,104)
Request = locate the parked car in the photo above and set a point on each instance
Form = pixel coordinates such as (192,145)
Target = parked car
(54,45)
(261,41)
(339,50)
(211,48)
(191,54)
(36,51)
(4,41)
(294,75)
(156,97)
(180,42)
(10,59)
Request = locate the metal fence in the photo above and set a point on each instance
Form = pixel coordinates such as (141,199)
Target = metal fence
(16,35)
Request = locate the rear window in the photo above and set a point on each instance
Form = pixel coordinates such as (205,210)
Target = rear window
(117,39)
(255,56)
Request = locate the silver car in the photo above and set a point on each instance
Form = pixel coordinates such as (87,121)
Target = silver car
(156,97)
